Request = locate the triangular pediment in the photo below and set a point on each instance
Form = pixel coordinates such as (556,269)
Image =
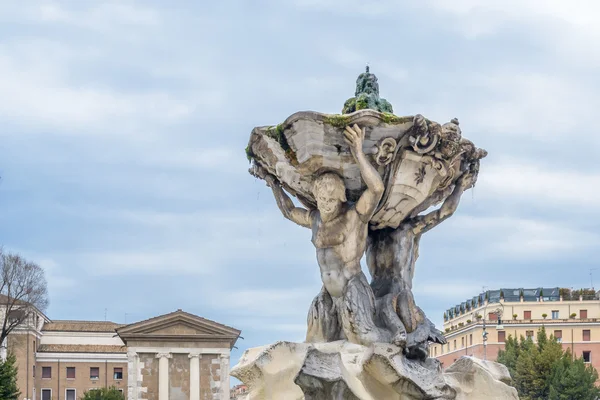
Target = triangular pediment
(178,325)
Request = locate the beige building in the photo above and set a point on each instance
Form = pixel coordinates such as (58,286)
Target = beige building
(238,392)
(573,317)
(177,356)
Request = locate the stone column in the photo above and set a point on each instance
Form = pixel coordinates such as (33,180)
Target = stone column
(133,361)
(163,375)
(224,376)
(194,376)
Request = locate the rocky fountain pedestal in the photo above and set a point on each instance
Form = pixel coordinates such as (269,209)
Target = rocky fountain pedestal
(365,181)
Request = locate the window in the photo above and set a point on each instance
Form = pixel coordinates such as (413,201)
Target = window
(34,348)
(582,314)
(586,335)
(435,351)
(70,372)
(587,356)
(554,314)
(70,394)
(558,336)
(529,334)
(34,371)
(471,339)
(118,373)
(46,372)
(462,339)
(94,372)
(454,344)
(46,394)
(493,316)
(526,314)
(501,336)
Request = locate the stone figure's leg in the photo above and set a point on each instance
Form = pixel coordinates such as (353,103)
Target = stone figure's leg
(323,322)
(420,330)
(386,307)
(358,313)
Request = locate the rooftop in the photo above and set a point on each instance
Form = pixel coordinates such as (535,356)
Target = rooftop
(80,326)
(81,348)
(518,295)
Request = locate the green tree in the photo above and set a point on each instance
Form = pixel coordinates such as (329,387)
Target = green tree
(510,354)
(573,380)
(8,378)
(111,393)
(543,370)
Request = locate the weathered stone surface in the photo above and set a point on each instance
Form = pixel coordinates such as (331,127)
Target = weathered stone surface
(342,370)
(338,370)
(366,180)
(475,379)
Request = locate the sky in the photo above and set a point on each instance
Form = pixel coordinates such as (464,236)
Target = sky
(123,126)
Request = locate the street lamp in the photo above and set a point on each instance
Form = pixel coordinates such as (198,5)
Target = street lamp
(498,312)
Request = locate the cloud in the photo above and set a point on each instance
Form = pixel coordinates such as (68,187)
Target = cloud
(187,243)
(523,238)
(105,17)
(289,302)
(39,94)
(447,291)
(532,104)
(522,180)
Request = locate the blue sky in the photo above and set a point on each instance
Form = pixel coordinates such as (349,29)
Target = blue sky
(123,126)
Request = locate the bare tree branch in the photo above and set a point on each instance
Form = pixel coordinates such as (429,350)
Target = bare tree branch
(23,290)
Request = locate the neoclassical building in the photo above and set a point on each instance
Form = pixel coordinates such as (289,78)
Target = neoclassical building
(480,326)
(177,356)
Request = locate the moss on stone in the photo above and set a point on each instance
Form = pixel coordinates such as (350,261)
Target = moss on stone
(337,121)
(389,118)
(277,133)
(249,153)
(349,106)
(361,104)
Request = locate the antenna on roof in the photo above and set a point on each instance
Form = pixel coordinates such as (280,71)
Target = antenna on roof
(591,280)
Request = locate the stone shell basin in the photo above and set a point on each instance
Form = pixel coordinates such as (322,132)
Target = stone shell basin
(309,143)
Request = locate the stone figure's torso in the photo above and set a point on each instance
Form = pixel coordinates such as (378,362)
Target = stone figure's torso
(340,244)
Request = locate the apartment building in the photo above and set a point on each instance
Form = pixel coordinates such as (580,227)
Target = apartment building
(176,356)
(480,326)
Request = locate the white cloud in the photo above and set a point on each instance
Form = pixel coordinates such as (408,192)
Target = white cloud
(105,17)
(39,93)
(447,290)
(373,8)
(523,238)
(536,183)
(535,104)
(290,302)
(194,243)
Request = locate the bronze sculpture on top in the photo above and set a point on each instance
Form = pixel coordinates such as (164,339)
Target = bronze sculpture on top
(364,179)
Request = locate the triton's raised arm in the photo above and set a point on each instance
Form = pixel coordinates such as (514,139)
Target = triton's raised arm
(368,201)
(289,210)
(422,224)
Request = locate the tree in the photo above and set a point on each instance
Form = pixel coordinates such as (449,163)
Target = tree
(111,393)
(545,371)
(8,378)
(573,380)
(23,290)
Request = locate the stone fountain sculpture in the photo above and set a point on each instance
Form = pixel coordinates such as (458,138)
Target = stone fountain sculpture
(365,180)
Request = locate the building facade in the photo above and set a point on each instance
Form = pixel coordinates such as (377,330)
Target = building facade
(177,356)
(573,317)
(238,392)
